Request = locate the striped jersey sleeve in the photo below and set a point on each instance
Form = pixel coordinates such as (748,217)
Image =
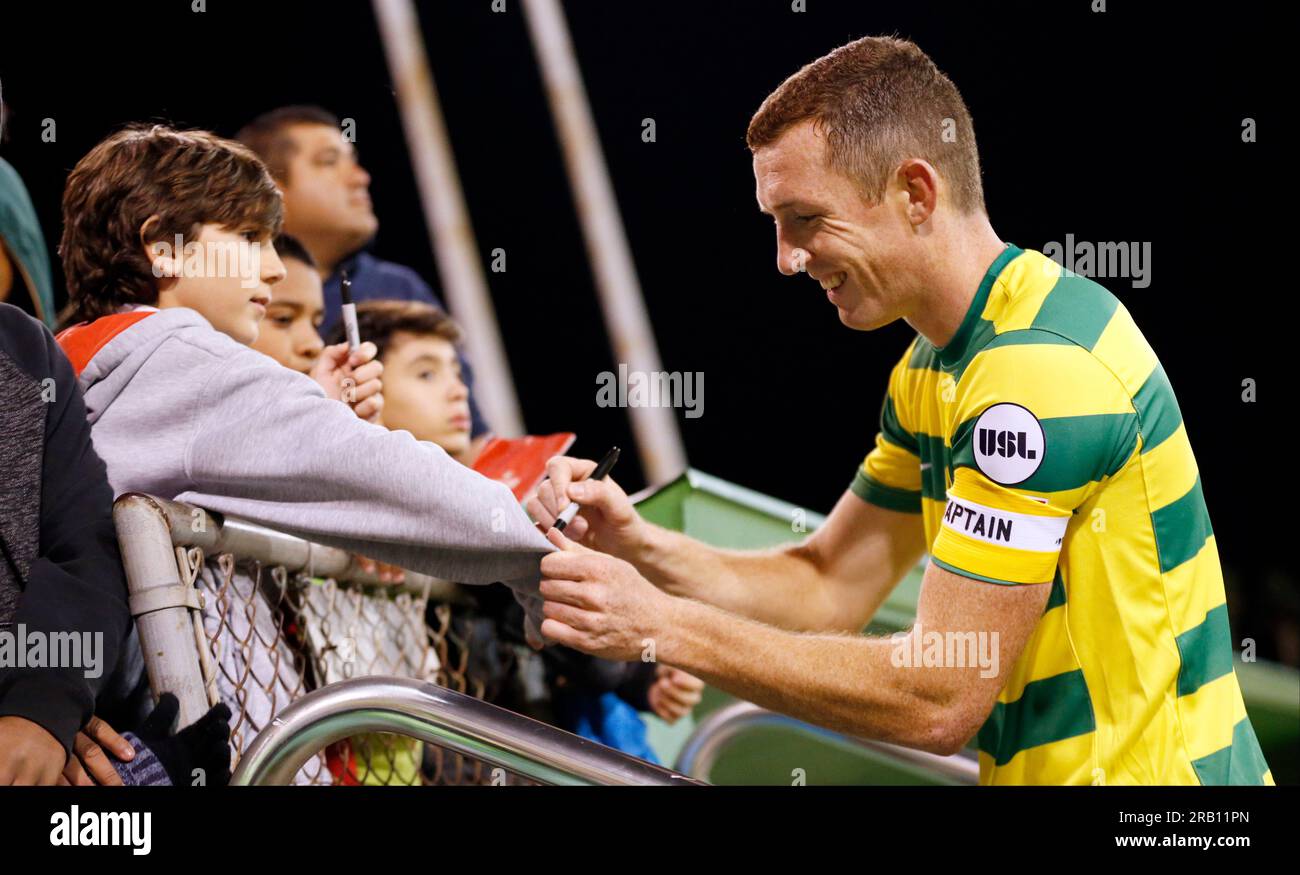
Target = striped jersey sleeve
(890,476)
(1040,422)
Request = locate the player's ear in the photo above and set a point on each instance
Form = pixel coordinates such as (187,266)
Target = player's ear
(919,181)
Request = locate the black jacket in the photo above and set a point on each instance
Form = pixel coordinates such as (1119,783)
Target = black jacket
(60,570)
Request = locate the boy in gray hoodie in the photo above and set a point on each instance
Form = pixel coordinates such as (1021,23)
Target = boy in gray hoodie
(166,252)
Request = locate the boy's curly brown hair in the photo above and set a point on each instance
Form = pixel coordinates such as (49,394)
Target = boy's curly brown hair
(187,178)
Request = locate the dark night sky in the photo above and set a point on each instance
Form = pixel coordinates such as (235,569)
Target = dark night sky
(1119,126)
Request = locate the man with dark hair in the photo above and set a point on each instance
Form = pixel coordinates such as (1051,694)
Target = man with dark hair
(327,207)
(1072,617)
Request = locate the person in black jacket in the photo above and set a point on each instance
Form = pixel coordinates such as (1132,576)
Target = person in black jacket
(61,577)
(60,570)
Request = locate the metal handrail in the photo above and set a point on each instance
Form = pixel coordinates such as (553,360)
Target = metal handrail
(439,716)
(702,750)
(192,526)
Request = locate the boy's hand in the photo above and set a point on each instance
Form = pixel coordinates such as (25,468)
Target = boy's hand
(353,378)
(674,694)
(607,521)
(29,755)
(90,751)
(385,572)
(199,751)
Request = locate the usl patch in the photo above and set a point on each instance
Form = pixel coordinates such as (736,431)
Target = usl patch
(1009,444)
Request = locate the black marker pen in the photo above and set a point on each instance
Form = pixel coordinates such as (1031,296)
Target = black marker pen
(602,469)
(349,314)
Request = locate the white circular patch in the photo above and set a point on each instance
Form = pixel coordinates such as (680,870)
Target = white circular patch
(1009,444)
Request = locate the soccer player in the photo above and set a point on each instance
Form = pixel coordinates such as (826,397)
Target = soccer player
(1072,617)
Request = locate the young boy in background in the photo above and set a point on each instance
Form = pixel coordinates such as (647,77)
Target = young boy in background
(596,698)
(290,331)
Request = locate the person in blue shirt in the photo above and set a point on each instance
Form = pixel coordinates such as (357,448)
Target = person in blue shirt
(327,207)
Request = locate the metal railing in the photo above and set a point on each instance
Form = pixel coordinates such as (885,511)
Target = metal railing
(168,548)
(448,719)
(706,744)
(164,545)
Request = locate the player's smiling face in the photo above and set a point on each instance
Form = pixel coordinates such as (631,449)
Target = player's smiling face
(853,249)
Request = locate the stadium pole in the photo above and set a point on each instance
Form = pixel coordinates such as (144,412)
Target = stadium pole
(445,213)
(659,440)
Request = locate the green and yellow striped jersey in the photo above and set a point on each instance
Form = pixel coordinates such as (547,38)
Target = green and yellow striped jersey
(1044,444)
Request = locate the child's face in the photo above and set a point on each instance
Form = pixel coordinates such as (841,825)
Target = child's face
(289,333)
(226,275)
(327,193)
(423,392)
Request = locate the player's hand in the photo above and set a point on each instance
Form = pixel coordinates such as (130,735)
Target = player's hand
(89,763)
(607,521)
(29,755)
(599,604)
(352,377)
(674,694)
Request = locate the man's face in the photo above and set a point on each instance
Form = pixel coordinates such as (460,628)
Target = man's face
(423,391)
(857,251)
(232,294)
(290,332)
(327,193)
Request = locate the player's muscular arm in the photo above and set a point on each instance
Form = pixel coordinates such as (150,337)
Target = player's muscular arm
(849,682)
(834,580)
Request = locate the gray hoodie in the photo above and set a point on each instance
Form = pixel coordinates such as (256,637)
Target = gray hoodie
(180,410)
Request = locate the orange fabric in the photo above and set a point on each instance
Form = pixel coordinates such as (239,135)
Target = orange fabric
(82,341)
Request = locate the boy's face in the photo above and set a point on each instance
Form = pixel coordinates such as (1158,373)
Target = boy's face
(423,392)
(327,193)
(224,274)
(289,333)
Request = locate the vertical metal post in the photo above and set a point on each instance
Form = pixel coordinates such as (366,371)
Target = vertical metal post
(658,437)
(166,635)
(443,201)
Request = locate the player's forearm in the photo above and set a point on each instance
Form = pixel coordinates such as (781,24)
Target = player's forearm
(782,587)
(845,682)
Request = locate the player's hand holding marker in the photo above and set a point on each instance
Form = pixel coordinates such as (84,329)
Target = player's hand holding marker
(598,602)
(607,522)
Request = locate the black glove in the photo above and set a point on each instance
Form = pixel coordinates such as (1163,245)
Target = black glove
(204,744)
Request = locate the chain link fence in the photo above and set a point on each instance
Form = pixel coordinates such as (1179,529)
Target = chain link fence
(266,635)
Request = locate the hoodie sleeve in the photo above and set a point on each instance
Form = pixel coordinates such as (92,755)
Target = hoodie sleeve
(269,447)
(76,583)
